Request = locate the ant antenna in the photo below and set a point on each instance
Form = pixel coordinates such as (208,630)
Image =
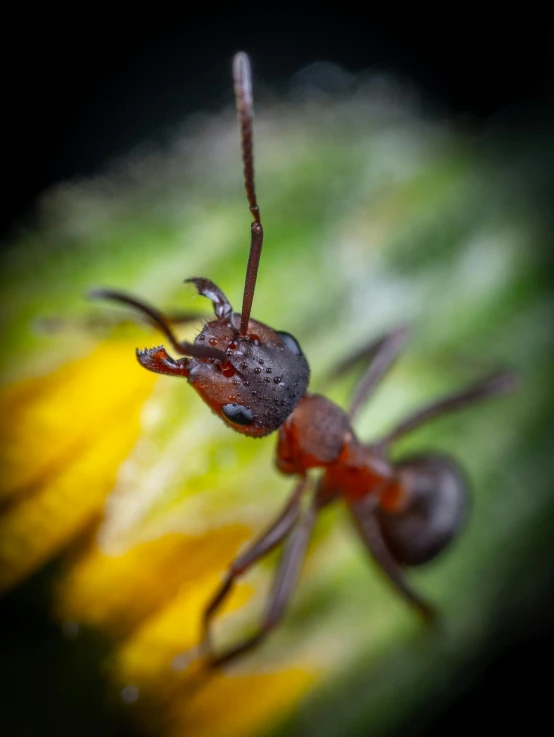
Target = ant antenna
(242,75)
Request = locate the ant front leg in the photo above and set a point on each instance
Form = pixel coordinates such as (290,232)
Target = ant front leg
(264,544)
(382,354)
(364,513)
(283,585)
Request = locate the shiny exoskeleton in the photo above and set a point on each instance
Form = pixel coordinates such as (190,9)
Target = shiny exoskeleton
(256,379)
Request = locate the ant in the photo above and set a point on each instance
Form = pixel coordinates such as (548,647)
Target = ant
(256,379)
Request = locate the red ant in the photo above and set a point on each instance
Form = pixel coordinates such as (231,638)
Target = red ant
(256,379)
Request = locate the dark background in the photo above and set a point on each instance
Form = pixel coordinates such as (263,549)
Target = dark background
(81,89)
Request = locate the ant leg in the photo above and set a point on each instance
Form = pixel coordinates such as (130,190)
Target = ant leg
(266,542)
(283,585)
(386,353)
(491,386)
(382,353)
(363,512)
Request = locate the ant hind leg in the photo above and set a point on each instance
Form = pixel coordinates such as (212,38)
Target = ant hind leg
(363,512)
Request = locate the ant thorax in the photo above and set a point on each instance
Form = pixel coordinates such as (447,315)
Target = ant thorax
(313,436)
(260,382)
(319,434)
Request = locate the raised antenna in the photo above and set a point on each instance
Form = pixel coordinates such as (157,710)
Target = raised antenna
(242,76)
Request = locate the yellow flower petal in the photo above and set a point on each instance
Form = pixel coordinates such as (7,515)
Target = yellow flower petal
(116,592)
(233,705)
(170,636)
(153,596)
(200,701)
(61,451)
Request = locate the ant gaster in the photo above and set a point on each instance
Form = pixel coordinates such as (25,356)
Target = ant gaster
(405,511)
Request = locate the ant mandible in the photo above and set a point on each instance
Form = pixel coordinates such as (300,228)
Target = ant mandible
(256,379)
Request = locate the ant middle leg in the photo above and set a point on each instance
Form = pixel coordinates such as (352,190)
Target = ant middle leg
(283,585)
(494,385)
(265,543)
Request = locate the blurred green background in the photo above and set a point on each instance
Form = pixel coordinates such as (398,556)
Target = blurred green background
(383,203)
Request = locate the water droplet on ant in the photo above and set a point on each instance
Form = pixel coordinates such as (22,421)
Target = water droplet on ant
(244,365)
(268,370)
(277,379)
(213,342)
(257,370)
(201,337)
(267,379)
(233,345)
(261,360)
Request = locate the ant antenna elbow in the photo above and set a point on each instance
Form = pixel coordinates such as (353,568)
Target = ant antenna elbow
(242,76)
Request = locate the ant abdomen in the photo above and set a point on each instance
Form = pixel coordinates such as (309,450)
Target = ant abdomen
(436,507)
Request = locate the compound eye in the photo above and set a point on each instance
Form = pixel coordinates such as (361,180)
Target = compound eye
(238,414)
(290,342)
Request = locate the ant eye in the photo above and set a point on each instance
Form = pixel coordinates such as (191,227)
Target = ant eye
(238,414)
(290,342)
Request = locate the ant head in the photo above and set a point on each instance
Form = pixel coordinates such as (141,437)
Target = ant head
(260,377)
(249,374)
(263,374)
